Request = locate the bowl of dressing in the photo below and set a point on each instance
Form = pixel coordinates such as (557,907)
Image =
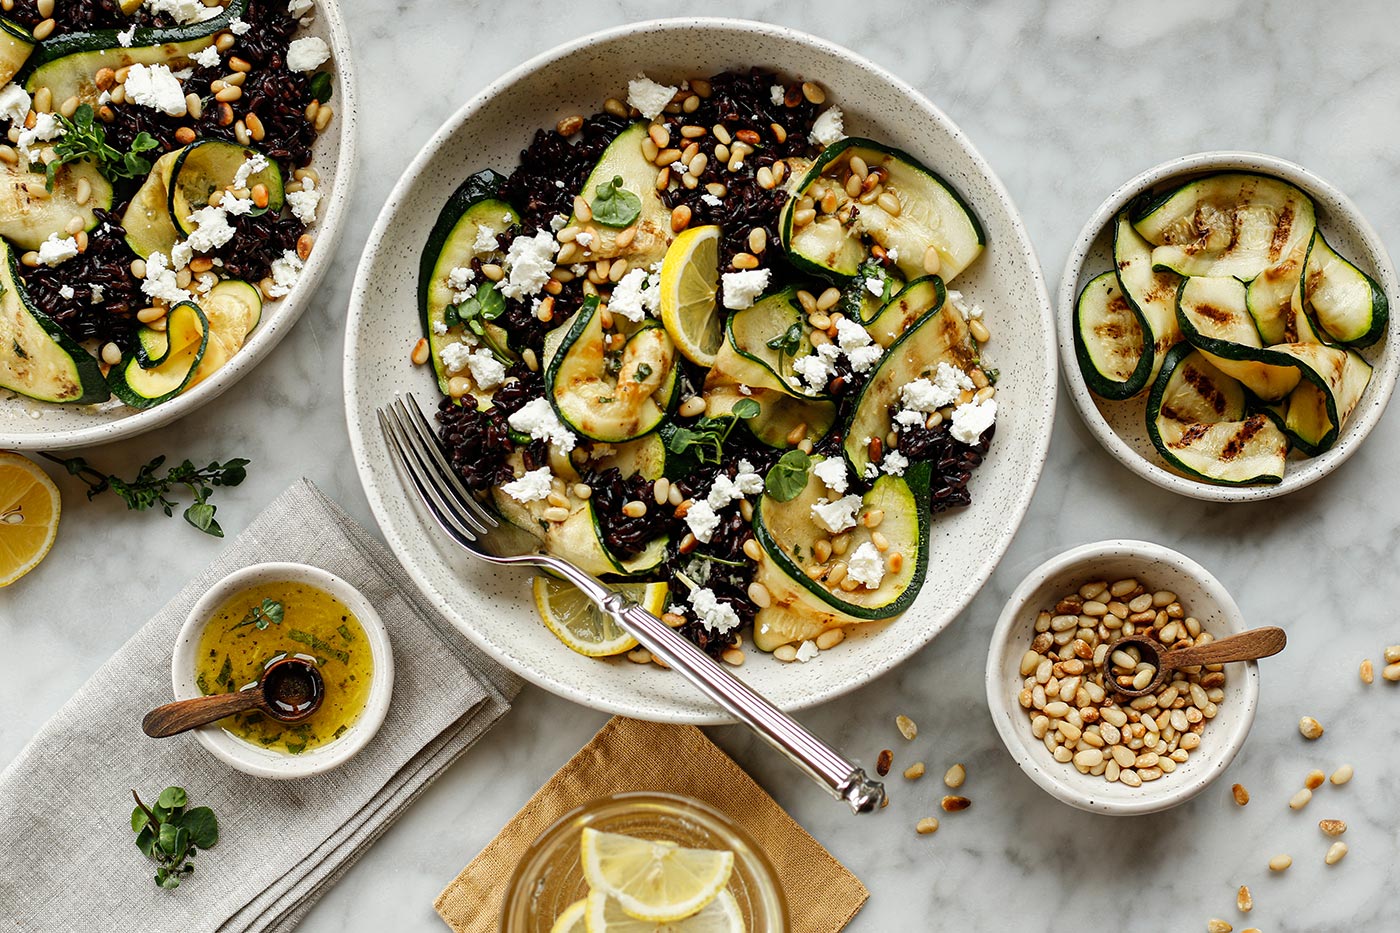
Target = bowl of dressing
(266,612)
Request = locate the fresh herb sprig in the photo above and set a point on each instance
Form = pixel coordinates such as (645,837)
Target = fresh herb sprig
(787,344)
(788,477)
(486,304)
(615,206)
(704,440)
(84,138)
(149,489)
(171,834)
(268,612)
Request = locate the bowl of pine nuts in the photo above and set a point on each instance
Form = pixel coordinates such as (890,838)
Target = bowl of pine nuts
(1051,674)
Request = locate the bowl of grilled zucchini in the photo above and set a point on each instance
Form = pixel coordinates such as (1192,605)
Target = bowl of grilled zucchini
(1225,326)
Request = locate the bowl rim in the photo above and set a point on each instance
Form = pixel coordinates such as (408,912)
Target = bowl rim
(329,230)
(241,755)
(361,304)
(1007,716)
(1299,474)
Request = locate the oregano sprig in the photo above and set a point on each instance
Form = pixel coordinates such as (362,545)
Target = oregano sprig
(149,489)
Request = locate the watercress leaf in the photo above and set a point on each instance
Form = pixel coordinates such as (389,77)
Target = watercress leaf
(172,798)
(146,842)
(747,408)
(451,316)
(788,477)
(490,303)
(614,205)
(168,837)
(320,86)
(139,819)
(202,825)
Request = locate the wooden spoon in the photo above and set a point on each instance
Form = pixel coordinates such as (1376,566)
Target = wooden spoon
(290,690)
(1246,646)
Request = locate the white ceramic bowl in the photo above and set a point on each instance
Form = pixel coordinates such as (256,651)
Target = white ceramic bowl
(29,425)
(493,606)
(1156,567)
(1121,427)
(263,762)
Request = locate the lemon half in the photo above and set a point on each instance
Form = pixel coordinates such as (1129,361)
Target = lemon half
(689,281)
(29,508)
(575,621)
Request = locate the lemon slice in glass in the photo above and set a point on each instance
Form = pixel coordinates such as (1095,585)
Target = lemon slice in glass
(29,507)
(721,915)
(652,881)
(689,281)
(576,622)
(573,919)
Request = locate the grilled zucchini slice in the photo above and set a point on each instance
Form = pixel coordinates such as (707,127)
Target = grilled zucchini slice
(1152,292)
(1345,302)
(1214,316)
(1111,340)
(37,358)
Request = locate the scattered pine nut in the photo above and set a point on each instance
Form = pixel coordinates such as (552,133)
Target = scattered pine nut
(1342,775)
(955,776)
(1332,827)
(926,826)
(420,351)
(1392,654)
(884,762)
(1280,862)
(1391,672)
(1310,728)
(1218,926)
(914,771)
(1368,672)
(1335,853)
(1314,780)
(1244,900)
(906,726)
(954,804)
(1240,794)
(1300,800)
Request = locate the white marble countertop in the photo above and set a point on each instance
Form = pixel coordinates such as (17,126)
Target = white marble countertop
(1066,100)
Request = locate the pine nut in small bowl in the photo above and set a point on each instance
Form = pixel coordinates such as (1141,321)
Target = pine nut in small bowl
(1226,326)
(1049,666)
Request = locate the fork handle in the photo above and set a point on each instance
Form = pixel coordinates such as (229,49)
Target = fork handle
(828,767)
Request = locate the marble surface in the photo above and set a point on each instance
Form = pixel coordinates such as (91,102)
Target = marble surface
(1066,100)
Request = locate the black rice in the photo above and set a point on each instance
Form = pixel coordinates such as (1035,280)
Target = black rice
(106,264)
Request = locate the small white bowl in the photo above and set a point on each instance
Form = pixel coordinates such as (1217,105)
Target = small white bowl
(1121,427)
(1158,568)
(263,762)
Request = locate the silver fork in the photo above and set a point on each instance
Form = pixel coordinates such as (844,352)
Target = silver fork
(421,461)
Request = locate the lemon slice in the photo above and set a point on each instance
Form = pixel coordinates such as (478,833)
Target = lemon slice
(573,919)
(652,881)
(576,622)
(689,280)
(721,915)
(29,509)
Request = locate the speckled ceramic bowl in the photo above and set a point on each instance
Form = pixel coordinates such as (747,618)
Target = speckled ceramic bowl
(493,606)
(262,762)
(29,425)
(1158,568)
(1121,427)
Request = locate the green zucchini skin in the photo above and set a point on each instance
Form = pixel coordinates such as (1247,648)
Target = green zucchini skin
(135,399)
(1100,384)
(91,385)
(479,187)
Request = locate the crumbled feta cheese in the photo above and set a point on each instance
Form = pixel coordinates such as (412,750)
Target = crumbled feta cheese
(741,288)
(248,169)
(485,241)
(972,419)
(184,11)
(45,128)
(635,296)
(837,516)
(460,277)
(829,127)
(455,357)
(863,358)
(711,199)
(866,565)
(126,37)
(212,229)
(679,167)
(285,272)
(871,471)
(910,419)
(895,463)
(776,93)
(488,371)
(160,280)
(180,255)
(155,87)
(66,291)
(307,53)
(207,57)
(649,97)
(98,295)
(942,390)
(537,419)
(299,8)
(238,27)
(305,202)
(528,263)
(832,471)
(806,651)
(851,335)
(725,490)
(14,104)
(708,609)
(816,368)
(532,487)
(54,251)
(892,254)
(702,520)
(558,221)
(745,390)
(584,239)
(439,327)
(875,284)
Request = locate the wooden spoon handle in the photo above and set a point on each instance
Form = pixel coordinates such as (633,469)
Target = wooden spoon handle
(1246,646)
(183,715)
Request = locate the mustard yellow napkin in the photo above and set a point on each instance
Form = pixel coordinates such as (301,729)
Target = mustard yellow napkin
(629,755)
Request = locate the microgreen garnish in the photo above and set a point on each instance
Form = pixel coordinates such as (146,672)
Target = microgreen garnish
(787,343)
(320,86)
(148,489)
(172,835)
(84,138)
(615,206)
(268,612)
(704,440)
(788,477)
(486,305)
(642,372)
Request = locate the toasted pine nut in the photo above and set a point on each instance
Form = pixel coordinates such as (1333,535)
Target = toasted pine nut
(831,638)
(1240,794)
(111,354)
(954,804)
(1280,862)
(1342,775)
(1300,800)
(1368,672)
(926,826)
(906,726)
(147,315)
(1310,728)
(692,407)
(955,776)
(914,771)
(680,218)
(1332,827)
(1335,853)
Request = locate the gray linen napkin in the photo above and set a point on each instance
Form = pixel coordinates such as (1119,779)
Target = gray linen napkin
(67,858)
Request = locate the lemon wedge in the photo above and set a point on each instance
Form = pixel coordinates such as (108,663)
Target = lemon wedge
(573,919)
(689,281)
(651,881)
(29,507)
(576,622)
(721,915)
